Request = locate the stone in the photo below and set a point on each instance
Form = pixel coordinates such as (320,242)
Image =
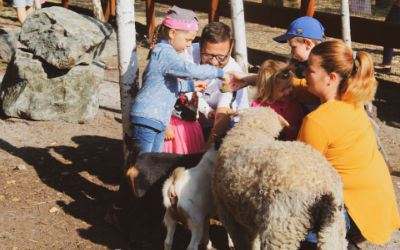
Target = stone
(33,89)
(64,38)
(8,45)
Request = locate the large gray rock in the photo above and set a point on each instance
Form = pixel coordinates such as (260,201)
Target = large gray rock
(64,38)
(8,44)
(33,89)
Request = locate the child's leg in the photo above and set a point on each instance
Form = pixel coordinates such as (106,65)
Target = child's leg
(158,143)
(145,137)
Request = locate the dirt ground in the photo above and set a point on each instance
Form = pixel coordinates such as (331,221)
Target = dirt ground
(58,179)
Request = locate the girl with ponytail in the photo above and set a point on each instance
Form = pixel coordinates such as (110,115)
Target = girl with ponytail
(341,131)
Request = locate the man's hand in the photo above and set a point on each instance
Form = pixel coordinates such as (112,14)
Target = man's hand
(200,86)
(169,134)
(241,80)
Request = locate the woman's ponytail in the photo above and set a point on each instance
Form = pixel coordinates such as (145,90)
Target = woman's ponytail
(361,85)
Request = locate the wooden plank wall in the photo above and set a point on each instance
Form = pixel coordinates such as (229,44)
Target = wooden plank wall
(362,30)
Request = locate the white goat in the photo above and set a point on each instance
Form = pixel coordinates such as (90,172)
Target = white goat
(194,205)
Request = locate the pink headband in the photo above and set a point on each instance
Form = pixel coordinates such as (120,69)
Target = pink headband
(181,19)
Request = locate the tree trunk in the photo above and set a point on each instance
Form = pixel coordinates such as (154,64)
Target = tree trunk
(98,10)
(38,6)
(239,33)
(346,36)
(128,68)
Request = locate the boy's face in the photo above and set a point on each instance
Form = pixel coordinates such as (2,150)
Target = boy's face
(300,50)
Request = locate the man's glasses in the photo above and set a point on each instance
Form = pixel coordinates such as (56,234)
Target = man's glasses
(209,57)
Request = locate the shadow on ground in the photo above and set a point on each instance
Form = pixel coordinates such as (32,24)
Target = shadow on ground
(100,157)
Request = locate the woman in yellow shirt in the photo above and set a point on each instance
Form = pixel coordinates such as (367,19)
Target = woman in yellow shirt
(341,131)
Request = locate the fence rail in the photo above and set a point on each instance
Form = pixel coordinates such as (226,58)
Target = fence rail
(363,30)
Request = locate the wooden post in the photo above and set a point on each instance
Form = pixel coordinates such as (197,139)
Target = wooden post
(346,36)
(106,9)
(150,17)
(213,13)
(65,3)
(113,8)
(98,10)
(38,6)
(128,67)
(239,33)
(307,8)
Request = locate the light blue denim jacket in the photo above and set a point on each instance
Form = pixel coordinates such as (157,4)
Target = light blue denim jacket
(161,87)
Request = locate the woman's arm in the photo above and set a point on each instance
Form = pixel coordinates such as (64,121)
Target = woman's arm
(241,80)
(312,133)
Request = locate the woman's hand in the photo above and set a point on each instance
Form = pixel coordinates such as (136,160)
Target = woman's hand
(200,86)
(169,134)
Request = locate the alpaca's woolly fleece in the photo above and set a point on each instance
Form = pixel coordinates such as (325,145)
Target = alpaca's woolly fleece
(274,190)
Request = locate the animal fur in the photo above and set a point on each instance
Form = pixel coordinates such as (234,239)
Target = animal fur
(269,194)
(194,205)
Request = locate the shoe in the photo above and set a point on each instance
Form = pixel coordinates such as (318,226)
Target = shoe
(114,217)
(384,68)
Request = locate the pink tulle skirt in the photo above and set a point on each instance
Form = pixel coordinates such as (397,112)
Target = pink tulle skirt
(188,137)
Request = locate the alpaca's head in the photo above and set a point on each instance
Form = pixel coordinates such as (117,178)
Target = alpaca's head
(262,119)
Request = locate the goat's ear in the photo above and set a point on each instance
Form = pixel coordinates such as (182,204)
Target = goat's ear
(283,121)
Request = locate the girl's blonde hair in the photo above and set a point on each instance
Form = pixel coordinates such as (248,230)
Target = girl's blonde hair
(358,83)
(269,74)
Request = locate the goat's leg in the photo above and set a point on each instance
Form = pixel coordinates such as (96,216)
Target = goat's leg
(170,224)
(196,228)
(205,240)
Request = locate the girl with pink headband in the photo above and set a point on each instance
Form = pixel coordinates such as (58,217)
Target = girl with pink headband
(165,77)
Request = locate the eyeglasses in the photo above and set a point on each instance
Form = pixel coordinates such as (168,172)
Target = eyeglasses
(220,58)
(209,57)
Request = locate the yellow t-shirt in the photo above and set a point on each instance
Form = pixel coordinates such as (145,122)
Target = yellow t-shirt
(343,133)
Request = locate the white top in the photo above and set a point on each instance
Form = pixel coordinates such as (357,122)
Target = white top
(212,95)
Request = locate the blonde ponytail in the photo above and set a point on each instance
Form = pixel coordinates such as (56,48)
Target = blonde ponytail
(361,86)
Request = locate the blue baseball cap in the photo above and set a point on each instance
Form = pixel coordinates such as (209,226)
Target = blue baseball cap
(306,27)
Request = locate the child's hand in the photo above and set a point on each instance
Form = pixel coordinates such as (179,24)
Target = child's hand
(169,134)
(211,115)
(200,86)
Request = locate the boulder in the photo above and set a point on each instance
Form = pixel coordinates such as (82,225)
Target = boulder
(34,89)
(64,38)
(8,45)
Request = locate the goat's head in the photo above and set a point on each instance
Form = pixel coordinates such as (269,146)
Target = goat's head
(263,119)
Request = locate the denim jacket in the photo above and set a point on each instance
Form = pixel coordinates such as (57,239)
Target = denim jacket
(165,77)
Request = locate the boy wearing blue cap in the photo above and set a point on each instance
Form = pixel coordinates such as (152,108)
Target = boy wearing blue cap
(303,34)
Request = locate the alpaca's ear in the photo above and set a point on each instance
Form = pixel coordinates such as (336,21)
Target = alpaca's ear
(283,121)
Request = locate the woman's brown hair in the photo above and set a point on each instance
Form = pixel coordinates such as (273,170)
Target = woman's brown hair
(358,83)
